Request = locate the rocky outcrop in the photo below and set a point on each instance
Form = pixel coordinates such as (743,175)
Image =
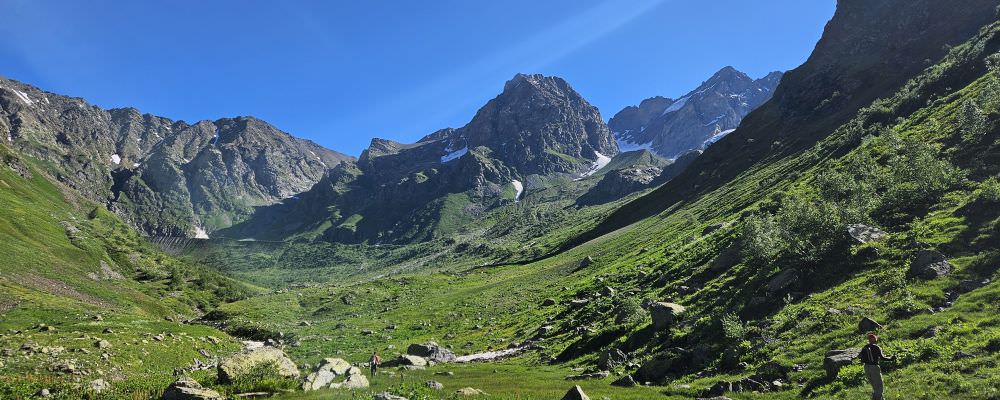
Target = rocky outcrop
(239,365)
(326,372)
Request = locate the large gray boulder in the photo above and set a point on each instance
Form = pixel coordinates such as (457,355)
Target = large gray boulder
(929,264)
(665,314)
(431,351)
(189,389)
(241,364)
(868,325)
(835,359)
(611,358)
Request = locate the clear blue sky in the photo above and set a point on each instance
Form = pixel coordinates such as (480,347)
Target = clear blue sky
(342,72)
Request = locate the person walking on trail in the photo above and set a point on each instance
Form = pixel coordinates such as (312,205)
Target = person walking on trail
(871,354)
(374,363)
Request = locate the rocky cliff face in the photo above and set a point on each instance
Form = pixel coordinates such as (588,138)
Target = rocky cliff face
(399,192)
(673,127)
(167,177)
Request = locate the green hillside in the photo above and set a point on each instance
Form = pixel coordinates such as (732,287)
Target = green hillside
(920,164)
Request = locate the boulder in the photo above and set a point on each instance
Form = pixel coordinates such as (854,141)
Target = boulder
(435,385)
(835,359)
(611,358)
(718,389)
(338,366)
(98,386)
(575,393)
(863,233)
(783,280)
(929,264)
(665,314)
(431,351)
(625,381)
(468,391)
(969,285)
(548,302)
(189,389)
(318,380)
(868,325)
(664,363)
(586,262)
(240,364)
(406,360)
(354,381)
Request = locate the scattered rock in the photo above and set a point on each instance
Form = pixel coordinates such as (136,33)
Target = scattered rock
(548,302)
(98,385)
(625,381)
(592,375)
(431,351)
(575,393)
(188,389)
(664,314)
(611,358)
(864,233)
(468,391)
(868,325)
(929,264)
(102,344)
(435,385)
(43,393)
(235,367)
(835,359)
(931,332)
(586,262)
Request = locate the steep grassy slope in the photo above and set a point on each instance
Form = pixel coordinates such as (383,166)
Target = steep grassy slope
(70,271)
(921,164)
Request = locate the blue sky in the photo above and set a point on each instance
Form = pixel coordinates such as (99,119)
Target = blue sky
(342,72)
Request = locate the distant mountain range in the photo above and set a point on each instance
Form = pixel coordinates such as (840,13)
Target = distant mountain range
(169,178)
(671,127)
(243,178)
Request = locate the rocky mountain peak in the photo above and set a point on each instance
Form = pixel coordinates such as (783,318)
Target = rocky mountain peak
(694,121)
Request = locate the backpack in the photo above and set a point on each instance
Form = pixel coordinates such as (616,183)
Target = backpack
(868,355)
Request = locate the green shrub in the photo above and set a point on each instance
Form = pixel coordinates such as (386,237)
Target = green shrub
(989,191)
(630,312)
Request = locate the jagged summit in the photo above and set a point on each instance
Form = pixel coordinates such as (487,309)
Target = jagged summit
(696,120)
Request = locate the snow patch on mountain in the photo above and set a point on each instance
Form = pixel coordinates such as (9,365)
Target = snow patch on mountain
(676,106)
(601,162)
(717,136)
(116,159)
(454,154)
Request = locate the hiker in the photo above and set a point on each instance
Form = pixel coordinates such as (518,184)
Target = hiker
(375,362)
(871,354)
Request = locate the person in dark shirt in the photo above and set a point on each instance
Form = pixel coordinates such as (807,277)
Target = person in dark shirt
(871,354)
